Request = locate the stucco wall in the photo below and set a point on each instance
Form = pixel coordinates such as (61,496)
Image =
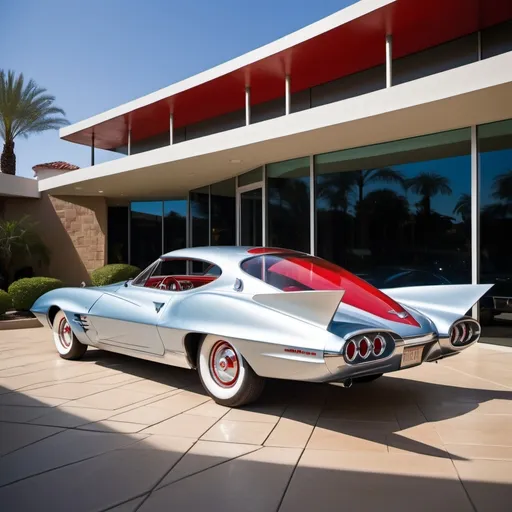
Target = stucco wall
(73,228)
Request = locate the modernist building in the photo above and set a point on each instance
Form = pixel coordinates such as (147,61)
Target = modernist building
(378,137)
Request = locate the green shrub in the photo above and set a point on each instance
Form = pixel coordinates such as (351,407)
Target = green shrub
(116,273)
(5,302)
(25,292)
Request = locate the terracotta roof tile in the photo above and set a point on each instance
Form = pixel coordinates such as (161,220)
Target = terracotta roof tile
(60,166)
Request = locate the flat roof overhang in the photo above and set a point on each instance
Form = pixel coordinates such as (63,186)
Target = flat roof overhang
(346,42)
(473,94)
(18,186)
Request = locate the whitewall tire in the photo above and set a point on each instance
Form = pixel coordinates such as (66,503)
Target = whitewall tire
(225,374)
(65,340)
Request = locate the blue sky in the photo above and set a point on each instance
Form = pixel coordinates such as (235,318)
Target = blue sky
(97,54)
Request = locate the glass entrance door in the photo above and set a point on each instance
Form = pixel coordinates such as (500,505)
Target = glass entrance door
(250,215)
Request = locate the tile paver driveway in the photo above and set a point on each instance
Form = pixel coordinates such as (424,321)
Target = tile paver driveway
(114,433)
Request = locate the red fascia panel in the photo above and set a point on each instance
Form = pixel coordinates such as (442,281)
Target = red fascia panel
(347,49)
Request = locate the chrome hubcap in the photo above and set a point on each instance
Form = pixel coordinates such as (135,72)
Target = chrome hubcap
(65,334)
(224,364)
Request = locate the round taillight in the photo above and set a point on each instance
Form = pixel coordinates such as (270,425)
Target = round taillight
(350,351)
(364,347)
(379,345)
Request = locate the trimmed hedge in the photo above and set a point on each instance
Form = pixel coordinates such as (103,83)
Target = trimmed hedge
(25,292)
(115,273)
(5,302)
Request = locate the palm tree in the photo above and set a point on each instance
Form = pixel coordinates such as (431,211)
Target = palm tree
(463,207)
(19,244)
(428,185)
(24,109)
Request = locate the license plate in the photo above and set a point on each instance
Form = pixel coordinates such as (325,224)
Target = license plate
(411,356)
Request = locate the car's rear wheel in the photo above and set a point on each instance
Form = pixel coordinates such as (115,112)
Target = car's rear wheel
(225,374)
(366,378)
(65,340)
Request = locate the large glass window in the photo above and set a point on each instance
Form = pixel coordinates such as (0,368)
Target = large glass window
(200,216)
(175,225)
(397,213)
(495,150)
(254,176)
(288,204)
(146,232)
(223,211)
(117,234)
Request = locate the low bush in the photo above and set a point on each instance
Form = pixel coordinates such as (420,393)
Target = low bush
(25,292)
(5,302)
(116,273)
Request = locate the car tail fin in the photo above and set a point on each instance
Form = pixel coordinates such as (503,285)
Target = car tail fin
(454,298)
(314,307)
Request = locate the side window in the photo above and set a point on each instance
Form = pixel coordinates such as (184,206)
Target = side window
(173,268)
(213,270)
(199,267)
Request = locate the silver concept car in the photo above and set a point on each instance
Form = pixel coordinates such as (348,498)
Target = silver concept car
(240,314)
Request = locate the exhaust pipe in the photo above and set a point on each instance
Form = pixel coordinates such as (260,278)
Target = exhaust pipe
(347,383)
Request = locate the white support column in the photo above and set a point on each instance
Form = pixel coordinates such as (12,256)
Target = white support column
(163,227)
(209,215)
(171,129)
(264,224)
(188,223)
(129,140)
(129,233)
(312,211)
(287,94)
(389,60)
(247,106)
(475,214)
(92,149)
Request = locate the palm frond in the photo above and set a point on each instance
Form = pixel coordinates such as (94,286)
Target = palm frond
(26,108)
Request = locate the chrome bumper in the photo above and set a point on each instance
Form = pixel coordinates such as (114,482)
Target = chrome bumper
(432,349)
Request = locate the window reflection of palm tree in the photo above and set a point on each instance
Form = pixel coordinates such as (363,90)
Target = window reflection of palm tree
(428,185)
(388,218)
(289,212)
(463,207)
(365,178)
(370,176)
(502,191)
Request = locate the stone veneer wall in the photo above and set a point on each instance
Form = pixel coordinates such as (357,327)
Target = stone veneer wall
(85,221)
(73,228)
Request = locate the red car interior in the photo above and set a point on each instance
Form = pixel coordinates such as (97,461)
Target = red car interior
(196,281)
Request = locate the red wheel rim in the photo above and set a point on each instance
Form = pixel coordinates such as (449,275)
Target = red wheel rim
(65,334)
(224,364)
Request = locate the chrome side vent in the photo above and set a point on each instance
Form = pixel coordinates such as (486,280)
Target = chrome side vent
(83,322)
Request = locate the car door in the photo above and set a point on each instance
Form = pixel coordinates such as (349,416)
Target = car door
(128,317)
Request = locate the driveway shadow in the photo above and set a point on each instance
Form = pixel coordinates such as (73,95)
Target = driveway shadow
(382,412)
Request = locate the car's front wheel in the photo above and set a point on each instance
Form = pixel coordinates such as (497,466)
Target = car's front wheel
(225,374)
(65,340)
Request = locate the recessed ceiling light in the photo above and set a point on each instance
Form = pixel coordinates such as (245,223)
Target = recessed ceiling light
(78,188)
(100,191)
(235,161)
